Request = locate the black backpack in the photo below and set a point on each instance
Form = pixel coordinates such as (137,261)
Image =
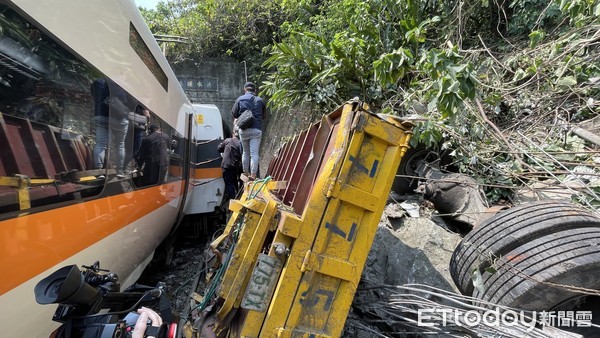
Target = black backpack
(246,118)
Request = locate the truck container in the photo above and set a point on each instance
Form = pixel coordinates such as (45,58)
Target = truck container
(293,250)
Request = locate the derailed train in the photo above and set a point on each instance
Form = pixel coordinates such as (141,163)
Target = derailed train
(66,196)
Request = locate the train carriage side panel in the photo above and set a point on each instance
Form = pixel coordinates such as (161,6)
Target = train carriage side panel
(89,28)
(55,208)
(207,175)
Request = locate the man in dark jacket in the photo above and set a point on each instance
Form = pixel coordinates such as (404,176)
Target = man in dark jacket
(154,156)
(251,136)
(231,148)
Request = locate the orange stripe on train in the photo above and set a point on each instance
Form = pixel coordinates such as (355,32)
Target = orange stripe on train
(31,244)
(201,173)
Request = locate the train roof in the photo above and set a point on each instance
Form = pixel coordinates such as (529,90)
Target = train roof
(119,44)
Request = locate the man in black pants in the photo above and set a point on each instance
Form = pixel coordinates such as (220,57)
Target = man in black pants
(231,148)
(154,156)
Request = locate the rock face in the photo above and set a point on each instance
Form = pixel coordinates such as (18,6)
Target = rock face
(410,250)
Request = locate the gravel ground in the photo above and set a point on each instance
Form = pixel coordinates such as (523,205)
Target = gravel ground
(180,275)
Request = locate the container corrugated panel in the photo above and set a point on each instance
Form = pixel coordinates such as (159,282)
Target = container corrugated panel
(304,237)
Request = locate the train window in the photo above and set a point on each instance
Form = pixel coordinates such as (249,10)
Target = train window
(157,158)
(142,50)
(176,165)
(47,135)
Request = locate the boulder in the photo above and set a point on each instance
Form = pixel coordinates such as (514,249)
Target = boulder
(410,250)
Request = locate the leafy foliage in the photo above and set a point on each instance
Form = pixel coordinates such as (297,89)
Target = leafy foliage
(220,28)
(382,56)
(533,65)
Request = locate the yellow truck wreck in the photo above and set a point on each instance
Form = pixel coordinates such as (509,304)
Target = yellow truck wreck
(291,256)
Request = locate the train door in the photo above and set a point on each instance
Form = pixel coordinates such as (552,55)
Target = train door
(207,177)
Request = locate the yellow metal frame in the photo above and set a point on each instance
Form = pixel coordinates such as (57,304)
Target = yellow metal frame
(327,245)
(22,183)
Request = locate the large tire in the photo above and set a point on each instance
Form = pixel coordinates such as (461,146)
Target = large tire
(509,230)
(407,178)
(542,274)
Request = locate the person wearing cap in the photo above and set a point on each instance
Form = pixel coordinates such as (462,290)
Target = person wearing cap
(251,136)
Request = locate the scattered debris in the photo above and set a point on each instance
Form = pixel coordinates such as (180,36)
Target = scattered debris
(423,310)
(179,276)
(456,195)
(411,207)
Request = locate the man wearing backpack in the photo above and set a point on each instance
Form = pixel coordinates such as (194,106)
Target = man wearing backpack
(250,134)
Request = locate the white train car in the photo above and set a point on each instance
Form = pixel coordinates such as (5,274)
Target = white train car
(71,72)
(207,174)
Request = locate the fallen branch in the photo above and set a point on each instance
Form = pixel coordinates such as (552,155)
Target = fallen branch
(499,133)
(586,135)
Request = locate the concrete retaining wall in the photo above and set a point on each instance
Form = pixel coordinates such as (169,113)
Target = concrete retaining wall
(219,82)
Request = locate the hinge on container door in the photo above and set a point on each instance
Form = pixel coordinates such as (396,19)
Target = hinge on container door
(332,187)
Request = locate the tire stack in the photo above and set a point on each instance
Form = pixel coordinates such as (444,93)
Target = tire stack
(532,256)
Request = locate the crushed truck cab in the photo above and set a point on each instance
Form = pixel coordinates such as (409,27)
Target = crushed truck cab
(292,253)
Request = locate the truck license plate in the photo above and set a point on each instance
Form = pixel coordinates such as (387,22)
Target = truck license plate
(262,283)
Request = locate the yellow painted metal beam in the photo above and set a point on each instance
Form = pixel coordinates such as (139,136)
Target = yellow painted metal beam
(23,183)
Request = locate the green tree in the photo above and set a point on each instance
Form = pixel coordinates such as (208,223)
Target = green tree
(518,58)
(376,50)
(221,28)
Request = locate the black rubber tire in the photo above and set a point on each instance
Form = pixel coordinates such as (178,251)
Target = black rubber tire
(510,229)
(410,162)
(534,275)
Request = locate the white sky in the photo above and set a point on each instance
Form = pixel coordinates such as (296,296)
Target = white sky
(148,4)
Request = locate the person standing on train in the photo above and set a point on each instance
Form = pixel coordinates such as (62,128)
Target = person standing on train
(252,135)
(231,164)
(111,122)
(138,123)
(153,156)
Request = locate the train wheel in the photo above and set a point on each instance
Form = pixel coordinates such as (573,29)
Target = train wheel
(165,252)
